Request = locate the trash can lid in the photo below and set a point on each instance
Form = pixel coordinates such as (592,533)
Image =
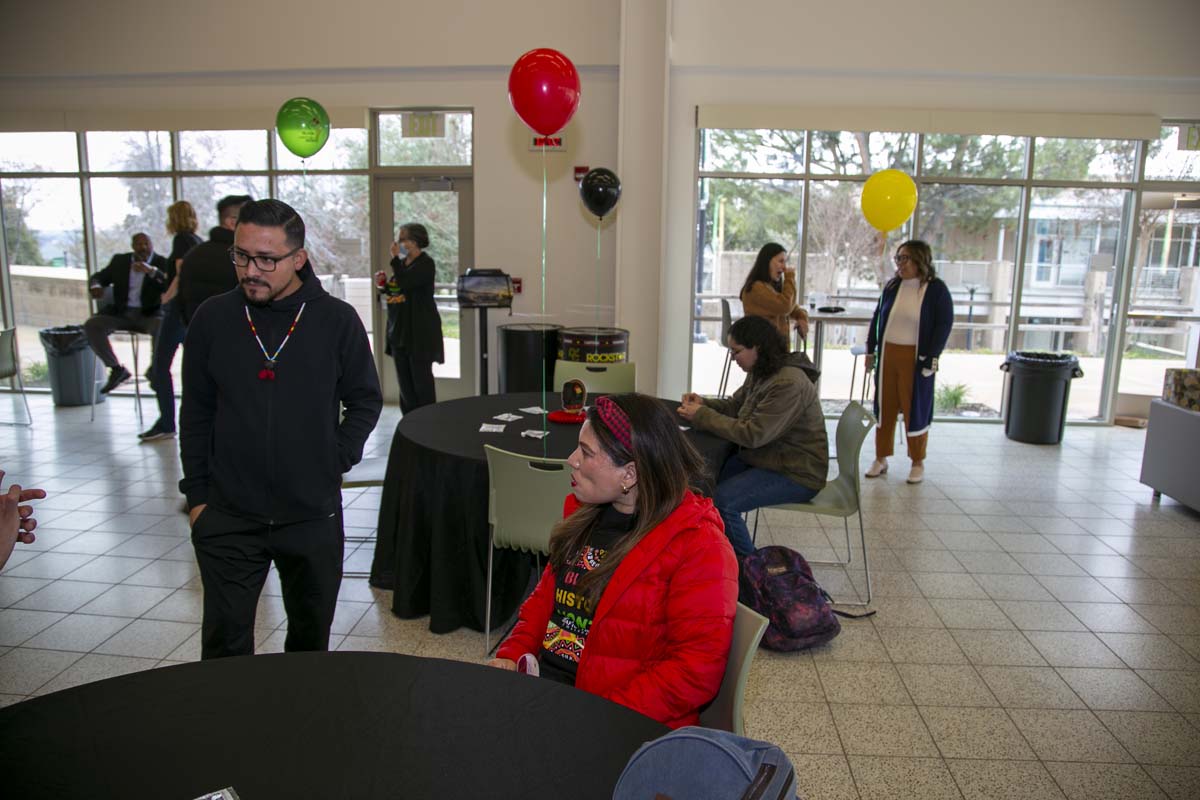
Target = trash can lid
(1035,357)
(531,326)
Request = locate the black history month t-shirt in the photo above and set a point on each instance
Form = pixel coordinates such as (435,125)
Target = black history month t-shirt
(571,618)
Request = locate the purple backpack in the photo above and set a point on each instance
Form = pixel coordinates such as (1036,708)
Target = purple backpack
(777,582)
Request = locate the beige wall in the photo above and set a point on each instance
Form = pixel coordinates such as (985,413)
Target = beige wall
(126,59)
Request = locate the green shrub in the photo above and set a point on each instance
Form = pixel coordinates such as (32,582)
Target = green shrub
(35,373)
(948,398)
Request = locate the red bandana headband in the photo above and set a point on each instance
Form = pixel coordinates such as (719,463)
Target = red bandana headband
(616,420)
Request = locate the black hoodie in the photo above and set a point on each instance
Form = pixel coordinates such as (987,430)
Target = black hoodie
(274,451)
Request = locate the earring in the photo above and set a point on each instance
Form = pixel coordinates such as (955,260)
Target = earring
(624,489)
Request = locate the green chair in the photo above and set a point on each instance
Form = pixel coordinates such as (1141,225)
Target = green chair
(10,367)
(525,500)
(598,378)
(367,472)
(725,711)
(842,496)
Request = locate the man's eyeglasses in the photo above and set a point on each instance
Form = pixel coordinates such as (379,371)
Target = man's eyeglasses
(242,259)
(903,258)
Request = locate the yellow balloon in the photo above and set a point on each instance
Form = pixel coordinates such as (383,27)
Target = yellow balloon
(888,199)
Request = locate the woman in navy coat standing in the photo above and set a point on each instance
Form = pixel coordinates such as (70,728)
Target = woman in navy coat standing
(908,332)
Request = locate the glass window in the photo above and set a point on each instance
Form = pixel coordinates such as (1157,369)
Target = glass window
(1166,162)
(204,192)
(449,142)
(752,151)
(1084,159)
(122,207)
(129,151)
(38,152)
(43,229)
(737,218)
(1164,312)
(223,150)
(972,230)
(335,209)
(952,155)
(861,152)
(346,149)
(1066,304)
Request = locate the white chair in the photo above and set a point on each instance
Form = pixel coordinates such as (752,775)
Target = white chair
(731,311)
(725,711)
(10,367)
(842,496)
(598,378)
(136,377)
(525,500)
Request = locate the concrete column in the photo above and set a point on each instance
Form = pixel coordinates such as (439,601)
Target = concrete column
(641,165)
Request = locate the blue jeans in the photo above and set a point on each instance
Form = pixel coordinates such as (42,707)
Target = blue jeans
(742,488)
(170,336)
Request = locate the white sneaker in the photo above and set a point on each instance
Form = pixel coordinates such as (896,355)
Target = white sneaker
(877,468)
(916,474)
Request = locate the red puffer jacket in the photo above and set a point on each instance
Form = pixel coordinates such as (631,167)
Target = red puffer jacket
(661,634)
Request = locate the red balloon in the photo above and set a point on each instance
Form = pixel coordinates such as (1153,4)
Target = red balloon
(543,88)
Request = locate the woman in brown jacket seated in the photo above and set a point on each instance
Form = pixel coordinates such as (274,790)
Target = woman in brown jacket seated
(770,292)
(777,422)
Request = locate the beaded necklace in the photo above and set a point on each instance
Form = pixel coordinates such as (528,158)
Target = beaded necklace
(267,373)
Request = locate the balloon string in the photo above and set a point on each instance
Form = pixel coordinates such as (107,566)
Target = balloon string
(598,221)
(545,442)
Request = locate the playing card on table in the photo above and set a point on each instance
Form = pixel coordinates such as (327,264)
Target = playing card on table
(535,434)
(507,417)
(533,410)
(487,427)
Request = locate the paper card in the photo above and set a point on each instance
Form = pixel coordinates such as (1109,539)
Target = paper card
(507,417)
(535,434)
(533,410)
(684,428)
(488,427)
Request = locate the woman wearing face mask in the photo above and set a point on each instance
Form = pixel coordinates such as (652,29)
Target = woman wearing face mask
(776,420)
(638,599)
(909,330)
(414,328)
(770,292)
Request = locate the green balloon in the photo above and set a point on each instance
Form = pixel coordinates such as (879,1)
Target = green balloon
(303,126)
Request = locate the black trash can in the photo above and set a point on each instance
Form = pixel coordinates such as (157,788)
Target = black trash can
(524,348)
(74,370)
(1039,385)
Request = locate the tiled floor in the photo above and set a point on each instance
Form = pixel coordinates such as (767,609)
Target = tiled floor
(1038,633)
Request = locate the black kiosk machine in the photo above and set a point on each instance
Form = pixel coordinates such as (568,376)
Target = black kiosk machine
(484,289)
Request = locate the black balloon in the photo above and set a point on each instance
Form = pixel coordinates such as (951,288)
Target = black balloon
(600,190)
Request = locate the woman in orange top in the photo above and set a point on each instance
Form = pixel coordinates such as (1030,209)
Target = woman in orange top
(770,292)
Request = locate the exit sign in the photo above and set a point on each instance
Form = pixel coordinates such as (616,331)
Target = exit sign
(1189,137)
(422,125)
(550,142)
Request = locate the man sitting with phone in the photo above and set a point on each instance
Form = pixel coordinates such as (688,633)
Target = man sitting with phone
(137,280)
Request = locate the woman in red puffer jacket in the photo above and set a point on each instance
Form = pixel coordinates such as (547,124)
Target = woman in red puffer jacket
(638,600)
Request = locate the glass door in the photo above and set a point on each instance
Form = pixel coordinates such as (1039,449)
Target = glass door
(1071,266)
(1162,330)
(444,206)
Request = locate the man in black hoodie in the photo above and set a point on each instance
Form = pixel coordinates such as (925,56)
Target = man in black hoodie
(279,395)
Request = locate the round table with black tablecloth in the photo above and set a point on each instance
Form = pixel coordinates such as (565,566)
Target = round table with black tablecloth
(328,725)
(432,543)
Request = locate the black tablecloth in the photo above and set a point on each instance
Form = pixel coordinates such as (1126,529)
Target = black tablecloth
(329,725)
(433,527)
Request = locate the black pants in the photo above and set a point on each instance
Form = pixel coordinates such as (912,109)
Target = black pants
(235,554)
(416,381)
